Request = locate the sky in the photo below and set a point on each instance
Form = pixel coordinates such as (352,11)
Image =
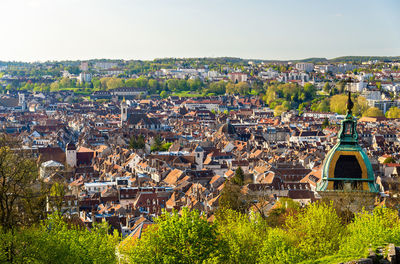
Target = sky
(41,30)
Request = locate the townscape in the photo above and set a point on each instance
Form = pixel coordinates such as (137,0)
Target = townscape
(123,142)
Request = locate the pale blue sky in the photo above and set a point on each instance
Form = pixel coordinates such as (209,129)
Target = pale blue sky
(33,30)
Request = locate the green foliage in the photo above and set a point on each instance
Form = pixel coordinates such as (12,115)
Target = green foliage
(317,230)
(242,236)
(321,106)
(278,110)
(238,178)
(55,241)
(288,92)
(394,112)
(326,88)
(325,123)
(389,160)
(242,88)
(373,112)
(188,238)
(217,88)
(22,195)
(370,230)
(231,198)
(338,104)
(163,94)
(137,142)
(278,247)
(159,145)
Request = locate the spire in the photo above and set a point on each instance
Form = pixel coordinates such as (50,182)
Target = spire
(348,131)
(350,104)
(123,100)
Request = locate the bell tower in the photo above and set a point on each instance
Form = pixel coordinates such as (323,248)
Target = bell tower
(346,168)
(124,111)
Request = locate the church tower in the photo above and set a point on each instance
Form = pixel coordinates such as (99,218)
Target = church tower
(70,154)
(199,157)
(346,167)
(124,111)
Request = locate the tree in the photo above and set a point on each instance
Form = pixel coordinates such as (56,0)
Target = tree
(325,123)
(279,247)
(394,112)
(284,208)
(242,236)
(317,230)
(61,240)
(242,88)
(22,195)
(389,160)
(361,106)
(231,198)
(338,104)
(371,230)
(238,178)
(278,110)
(326,88)
(185,238)
(379,86)
(373,112)
(157,144)
(113,83)
(321,106)
(137,142)
(163,94)
(340,86)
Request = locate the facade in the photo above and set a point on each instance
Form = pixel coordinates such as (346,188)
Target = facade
(237,77)
(85,77)
(307,67)
(128,92)
(70,154)
(124,111)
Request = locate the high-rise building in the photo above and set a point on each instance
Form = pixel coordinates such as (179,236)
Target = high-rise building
(304,66)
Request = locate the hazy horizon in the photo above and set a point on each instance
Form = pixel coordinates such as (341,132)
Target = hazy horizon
(58,30)
(183,58)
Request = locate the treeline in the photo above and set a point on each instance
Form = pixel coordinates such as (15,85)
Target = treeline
(314,234)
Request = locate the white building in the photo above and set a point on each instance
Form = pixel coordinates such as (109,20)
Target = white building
(269,74)
(49,167)
(304,66)
(237,77)
(84,66)
(94,187)
(85,77)
(105,65)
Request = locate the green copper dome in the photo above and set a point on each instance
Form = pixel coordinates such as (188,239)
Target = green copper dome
(346,166)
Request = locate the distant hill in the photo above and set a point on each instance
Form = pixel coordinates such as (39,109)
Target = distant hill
(222,60)
(360,59)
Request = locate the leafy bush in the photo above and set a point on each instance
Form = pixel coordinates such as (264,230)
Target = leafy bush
(177,239)
(317,230)
(55,241)
(242,235)
(279,247)
(370,230)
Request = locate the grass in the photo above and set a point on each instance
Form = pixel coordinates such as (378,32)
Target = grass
(187,94)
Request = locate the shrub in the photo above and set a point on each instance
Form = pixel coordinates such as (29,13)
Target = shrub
(370,230)
(317,230)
